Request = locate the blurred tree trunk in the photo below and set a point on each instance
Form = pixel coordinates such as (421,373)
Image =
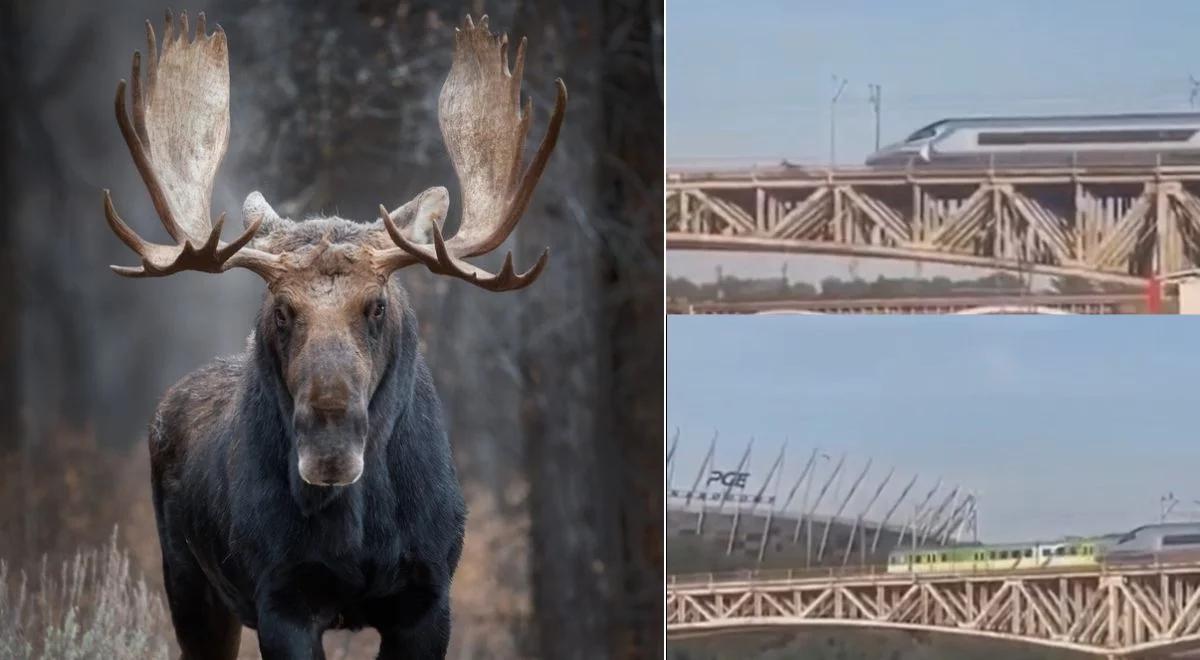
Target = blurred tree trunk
(44,312)
(593,418)
(10,303)
(631,178)
(572,514)
(45,373)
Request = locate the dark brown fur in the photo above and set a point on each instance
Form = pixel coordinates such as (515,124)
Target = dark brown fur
(245,539)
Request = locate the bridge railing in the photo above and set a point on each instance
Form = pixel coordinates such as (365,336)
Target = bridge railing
(779,574)
(881,572)
(1075,162)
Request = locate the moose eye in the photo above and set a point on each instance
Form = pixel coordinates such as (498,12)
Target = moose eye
(281,317)
(377,309)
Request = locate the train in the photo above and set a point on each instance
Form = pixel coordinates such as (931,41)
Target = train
(1161,543)
(1049,141)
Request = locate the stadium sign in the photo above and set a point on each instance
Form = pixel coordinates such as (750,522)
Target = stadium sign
(732,479)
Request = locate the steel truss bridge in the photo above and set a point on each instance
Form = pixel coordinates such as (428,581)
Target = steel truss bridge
(1115,613)
(1097,303)
(1126,224)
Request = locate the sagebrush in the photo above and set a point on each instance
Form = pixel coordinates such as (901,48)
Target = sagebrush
(90,607)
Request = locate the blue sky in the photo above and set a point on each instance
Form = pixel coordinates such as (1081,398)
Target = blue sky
(753,78)
(751,81)
(1063,425)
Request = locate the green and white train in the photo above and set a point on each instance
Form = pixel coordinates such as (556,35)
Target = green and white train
(1162,543)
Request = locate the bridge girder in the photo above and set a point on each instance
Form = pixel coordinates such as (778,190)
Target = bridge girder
(1119,613)
(1123,226)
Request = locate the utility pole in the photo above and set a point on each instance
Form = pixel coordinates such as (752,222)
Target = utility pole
(1166,505)
(876,92)
(1195,91)
(839,85)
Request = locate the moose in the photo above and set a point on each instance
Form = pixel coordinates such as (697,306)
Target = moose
(307,484)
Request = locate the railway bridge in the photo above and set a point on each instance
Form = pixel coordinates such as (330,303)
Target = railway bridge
(1135,611)
(1123,224)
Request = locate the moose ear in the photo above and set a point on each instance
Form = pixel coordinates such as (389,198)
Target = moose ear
(256,207)
(418,217)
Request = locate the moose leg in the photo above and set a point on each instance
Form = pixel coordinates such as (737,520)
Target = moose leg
(427,640)
(204,627)
(287,633)
(284,640)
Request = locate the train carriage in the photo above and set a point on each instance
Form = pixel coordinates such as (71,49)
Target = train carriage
(995,557)
(1050,141)
(1161,543)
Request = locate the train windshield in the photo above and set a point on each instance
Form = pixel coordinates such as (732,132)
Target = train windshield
(927,132)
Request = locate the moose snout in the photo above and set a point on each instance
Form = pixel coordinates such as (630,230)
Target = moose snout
(331,430)
(330,469)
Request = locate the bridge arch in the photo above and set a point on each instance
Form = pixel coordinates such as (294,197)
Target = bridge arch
(689,631)
(1013,309)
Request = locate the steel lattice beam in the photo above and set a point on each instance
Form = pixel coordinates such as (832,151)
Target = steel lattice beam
(1113,613)
(1123,224)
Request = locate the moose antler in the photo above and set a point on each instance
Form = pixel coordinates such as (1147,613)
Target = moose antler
(177,137)
(484,128)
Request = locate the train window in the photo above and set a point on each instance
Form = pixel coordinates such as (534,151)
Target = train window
(1011,138)
(1028,552)
(917,559)
(1045,552)
(1072,551)
(991,554)
(1058,552)
(1181,539)
(943,557)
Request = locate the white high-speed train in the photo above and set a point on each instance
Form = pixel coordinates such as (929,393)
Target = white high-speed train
(1086,140)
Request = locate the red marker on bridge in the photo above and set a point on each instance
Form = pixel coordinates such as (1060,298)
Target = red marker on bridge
(1154,296)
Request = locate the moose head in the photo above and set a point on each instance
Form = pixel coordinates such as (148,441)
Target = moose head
(330,302)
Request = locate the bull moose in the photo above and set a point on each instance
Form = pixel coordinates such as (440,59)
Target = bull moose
(307,483)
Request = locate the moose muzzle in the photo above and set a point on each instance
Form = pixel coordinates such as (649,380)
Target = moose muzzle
(330,422)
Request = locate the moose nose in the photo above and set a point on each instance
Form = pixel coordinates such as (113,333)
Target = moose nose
(329,397)
(331,410)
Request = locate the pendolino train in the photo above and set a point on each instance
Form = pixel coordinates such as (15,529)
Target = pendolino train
(1052,141)
(1161,543)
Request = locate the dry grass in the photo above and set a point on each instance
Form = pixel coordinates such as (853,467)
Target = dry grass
(92,606)
(82,491)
